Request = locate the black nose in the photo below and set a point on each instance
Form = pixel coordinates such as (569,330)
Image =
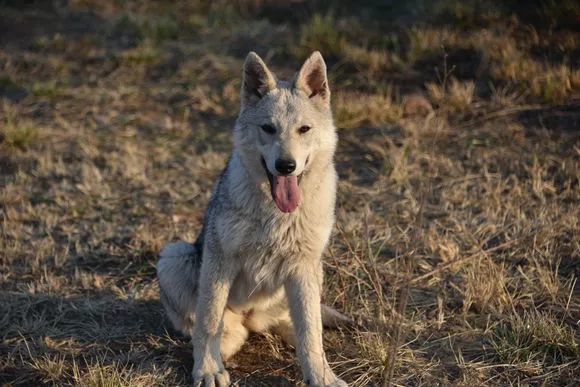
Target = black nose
(285,167)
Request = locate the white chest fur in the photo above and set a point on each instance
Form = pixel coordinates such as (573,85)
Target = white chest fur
(266,243)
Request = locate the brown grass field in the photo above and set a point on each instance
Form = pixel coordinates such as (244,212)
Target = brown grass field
(457,244)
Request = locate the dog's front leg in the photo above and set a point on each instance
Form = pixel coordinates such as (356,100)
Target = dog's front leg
(214,288)
(303,291)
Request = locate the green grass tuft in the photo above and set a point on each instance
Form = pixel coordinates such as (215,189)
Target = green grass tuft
(535,338)
(321,33)
(19,135)
(48,89)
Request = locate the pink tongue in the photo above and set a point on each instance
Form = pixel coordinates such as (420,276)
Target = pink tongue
(285,192)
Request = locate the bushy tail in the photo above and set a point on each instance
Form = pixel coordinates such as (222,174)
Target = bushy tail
(332,318)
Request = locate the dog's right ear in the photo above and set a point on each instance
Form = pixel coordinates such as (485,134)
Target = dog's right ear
(257,80)
(313,81)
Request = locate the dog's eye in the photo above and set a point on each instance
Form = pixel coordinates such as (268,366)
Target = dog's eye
(303,129)
(268,129)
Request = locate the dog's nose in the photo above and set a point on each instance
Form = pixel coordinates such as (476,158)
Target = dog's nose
(285,167)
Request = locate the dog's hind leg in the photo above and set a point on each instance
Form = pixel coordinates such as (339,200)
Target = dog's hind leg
(331,318)
(285,329)
(177,272)
(234,334)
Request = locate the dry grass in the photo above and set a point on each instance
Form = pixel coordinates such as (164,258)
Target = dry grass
(457,242)
(455,96)
(355,110)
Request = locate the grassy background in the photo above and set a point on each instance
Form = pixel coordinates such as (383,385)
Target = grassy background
(457,243)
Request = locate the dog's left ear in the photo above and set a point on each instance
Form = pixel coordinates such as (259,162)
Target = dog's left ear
(312,79)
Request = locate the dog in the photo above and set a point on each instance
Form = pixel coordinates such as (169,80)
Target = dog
(256,266)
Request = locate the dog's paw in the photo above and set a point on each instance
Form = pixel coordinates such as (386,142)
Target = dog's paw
(218,379)
(337,383)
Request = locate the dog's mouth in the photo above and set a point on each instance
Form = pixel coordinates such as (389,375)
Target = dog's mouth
(284,189)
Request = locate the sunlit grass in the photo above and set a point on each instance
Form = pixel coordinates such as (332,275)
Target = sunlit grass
(456,241)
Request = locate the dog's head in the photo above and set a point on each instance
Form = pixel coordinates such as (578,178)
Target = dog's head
(284,127)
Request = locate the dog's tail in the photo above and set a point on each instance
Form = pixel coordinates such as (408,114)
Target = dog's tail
(332,318)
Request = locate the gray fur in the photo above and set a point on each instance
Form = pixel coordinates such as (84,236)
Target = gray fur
(255,267)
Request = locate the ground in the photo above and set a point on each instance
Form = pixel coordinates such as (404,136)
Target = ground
(457,243)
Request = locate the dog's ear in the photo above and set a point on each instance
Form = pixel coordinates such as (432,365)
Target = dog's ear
(257,80)
(312,79)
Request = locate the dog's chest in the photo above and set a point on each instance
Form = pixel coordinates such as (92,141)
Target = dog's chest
(274,247)
(270,251)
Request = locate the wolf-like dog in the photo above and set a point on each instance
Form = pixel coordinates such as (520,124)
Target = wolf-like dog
(256,265)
